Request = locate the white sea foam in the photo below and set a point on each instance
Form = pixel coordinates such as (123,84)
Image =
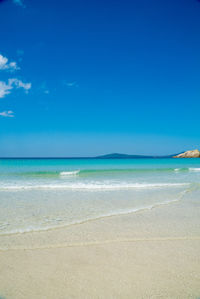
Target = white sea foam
(69,173)
(194,169)
(91,186)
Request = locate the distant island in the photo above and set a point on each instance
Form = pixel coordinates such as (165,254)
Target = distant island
(125,156)
(187,154)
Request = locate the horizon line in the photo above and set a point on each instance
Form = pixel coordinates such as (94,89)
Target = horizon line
(106,156)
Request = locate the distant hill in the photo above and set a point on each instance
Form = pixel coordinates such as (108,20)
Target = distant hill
(125,156)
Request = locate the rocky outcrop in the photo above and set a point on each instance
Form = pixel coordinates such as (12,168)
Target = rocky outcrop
(189,154)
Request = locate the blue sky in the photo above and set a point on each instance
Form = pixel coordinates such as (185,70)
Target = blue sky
(82,78)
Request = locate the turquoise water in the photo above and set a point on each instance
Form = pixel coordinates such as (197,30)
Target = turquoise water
(38,194)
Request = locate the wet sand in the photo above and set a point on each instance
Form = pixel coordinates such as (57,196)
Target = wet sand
(150,254)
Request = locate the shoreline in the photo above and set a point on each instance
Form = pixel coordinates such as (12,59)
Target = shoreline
(149,254)
(101,217)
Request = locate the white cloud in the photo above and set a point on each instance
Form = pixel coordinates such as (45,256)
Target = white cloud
(5,88)
(8,113)
(19,84)
(5,65)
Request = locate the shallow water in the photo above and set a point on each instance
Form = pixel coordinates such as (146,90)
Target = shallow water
(40,194)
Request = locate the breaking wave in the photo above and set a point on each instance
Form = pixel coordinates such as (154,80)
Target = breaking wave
(91,186)
(194,169)
(69,173)
(94,172)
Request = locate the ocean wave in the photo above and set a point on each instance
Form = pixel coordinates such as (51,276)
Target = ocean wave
(190,169)
(194,169)
(91,186)
(69,173)
(89,172)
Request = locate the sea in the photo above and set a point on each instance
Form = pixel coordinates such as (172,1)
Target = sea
(44,194)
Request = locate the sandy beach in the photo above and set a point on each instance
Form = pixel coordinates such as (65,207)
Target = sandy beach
(150,254)
(99,149)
